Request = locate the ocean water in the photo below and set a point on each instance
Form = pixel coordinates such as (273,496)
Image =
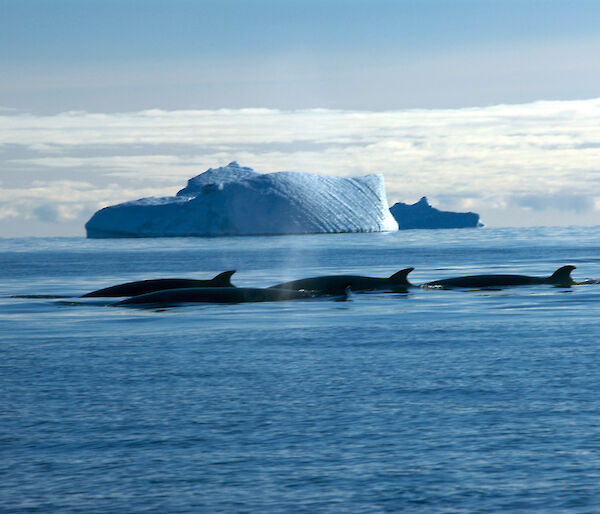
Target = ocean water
(425,401)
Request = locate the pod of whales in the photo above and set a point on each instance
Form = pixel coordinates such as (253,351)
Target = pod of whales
(172,291)
(332,286)
(150,286)
(561,277)
(336,284)
(216,295)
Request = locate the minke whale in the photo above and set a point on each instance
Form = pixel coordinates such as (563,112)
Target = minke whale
(337,284)
(561,277)
(216,295)
(150,286)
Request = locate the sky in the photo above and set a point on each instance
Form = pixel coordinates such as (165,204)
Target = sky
(490,106)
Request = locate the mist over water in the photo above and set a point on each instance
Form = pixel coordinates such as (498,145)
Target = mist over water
(425,401)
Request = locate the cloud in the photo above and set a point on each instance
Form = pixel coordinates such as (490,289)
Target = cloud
(563,202)
(7,211)
(496,158)
(47,213)
(52,213)
(63,201)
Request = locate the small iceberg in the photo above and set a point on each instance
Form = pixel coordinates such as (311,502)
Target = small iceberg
(423,215)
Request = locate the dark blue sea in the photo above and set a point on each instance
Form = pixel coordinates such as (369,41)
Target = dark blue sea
(425,401)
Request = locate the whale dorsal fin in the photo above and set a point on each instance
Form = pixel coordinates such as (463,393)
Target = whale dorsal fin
(562,276)
(400,277)
(223,279)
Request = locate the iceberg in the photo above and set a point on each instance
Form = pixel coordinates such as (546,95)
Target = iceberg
(235,200)
(423,215)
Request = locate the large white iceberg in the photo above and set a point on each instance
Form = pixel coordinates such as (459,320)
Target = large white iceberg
(235,200)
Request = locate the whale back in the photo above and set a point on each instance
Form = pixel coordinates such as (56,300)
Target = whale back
(561,277)
(168,297)
(337,284)
(150,286)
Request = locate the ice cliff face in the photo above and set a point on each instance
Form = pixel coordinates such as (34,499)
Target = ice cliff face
(423,215)
(234,200)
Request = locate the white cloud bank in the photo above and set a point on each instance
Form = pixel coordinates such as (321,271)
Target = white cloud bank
(529,164)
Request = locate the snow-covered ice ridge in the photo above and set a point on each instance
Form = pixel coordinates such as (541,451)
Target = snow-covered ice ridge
(235,200)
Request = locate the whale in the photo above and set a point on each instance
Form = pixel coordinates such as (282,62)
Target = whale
(561,277)
(337,284)
(150,286)
(216,295)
